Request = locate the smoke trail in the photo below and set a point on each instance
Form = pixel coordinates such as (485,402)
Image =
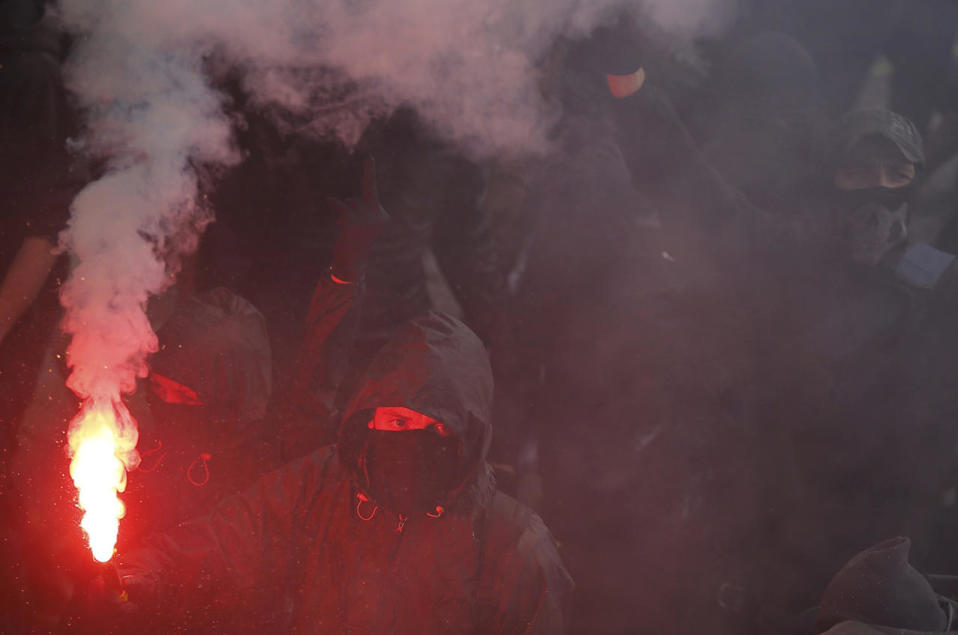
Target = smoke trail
(149,115)
(469,67)
(466,65)
(141,74)
(137,72)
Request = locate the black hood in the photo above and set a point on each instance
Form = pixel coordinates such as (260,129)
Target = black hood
(436,366)
(768,123)
(25,27)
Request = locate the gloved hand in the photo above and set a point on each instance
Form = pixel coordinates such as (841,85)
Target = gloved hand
(110,602)
(362,221)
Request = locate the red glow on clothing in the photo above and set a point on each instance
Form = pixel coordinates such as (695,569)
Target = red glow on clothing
(173,392)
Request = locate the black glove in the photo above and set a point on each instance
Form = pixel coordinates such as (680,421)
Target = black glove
(361,221)
(110,603)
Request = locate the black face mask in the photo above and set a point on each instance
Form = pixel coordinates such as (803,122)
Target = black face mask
(411,471)
(874,221)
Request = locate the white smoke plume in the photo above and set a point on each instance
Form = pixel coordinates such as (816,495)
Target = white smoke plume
(140,70)
(149,116)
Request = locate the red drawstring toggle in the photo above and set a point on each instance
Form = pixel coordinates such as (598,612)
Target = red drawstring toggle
(362,498)
(152,467)
(206,470)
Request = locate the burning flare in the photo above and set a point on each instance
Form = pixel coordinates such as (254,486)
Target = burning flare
(102,443)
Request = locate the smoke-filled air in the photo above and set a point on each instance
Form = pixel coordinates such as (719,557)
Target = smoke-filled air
(478,316)
(142,73)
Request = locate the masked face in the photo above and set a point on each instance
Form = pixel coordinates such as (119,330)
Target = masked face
(872,189)
(874,225)
(411,464)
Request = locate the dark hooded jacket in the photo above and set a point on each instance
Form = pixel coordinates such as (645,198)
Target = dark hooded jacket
(308,542)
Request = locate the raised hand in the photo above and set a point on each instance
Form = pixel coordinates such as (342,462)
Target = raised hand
(361,222)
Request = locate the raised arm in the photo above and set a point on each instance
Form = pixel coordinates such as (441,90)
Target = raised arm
(309,411)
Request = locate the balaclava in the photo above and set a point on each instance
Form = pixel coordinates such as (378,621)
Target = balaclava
(410,471)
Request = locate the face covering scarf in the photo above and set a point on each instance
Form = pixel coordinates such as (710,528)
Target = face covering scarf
(410,471)
(874,221)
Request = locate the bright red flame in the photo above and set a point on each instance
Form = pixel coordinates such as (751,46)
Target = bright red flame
(102,447)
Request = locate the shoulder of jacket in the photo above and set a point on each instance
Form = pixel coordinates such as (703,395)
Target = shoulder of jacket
(514,528)
(521,547)
(314,468)
(327,458)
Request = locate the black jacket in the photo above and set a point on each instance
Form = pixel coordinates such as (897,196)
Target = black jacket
(307,542)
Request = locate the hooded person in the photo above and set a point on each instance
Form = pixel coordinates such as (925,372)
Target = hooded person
(877,160)
(436,238)
(729,184)
(766,126)
(868,450)
(433,195)
(201,436)
(202,431)
(872,182)
(398,527)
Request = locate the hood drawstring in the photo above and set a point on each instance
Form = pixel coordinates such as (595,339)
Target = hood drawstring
(205,478)
(362,499)
(154,463)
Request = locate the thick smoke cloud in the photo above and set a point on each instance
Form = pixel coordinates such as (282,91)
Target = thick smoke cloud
(143,74)
(150,114)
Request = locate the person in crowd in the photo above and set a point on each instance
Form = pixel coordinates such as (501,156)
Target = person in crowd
(433,193)
(272,222)
(766,120)
(875,172)
(396,528)
(736,184)
(201,433)
(847,307)
(200,415)
(602,408)
(443,224)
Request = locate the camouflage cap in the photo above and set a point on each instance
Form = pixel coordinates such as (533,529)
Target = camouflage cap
(859,124)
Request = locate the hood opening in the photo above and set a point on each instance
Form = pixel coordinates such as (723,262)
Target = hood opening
(437,366)
(354,447)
